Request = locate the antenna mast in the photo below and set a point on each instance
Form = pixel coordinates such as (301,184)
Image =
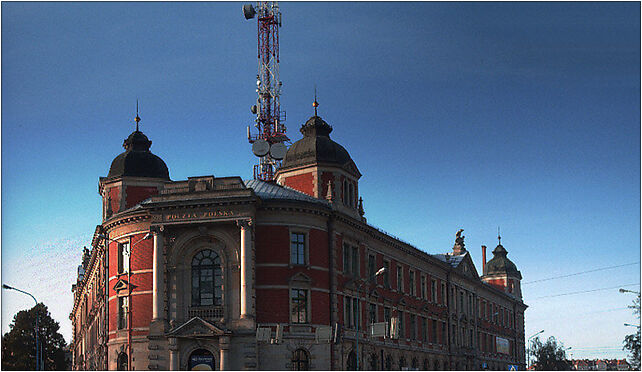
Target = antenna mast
(268,143)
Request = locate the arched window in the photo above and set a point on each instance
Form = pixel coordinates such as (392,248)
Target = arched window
(414,364)
(426,366)
(351,364)
(388,362)
(300,360)
(201,360)
(121,362)
(206,279)
(351,194)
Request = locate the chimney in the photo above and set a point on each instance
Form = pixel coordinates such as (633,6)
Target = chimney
(483,260)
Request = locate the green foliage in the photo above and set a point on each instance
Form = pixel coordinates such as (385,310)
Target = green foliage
(19,344)
(549,356)
(632,341)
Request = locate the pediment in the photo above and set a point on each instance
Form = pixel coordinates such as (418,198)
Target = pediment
(196,327)
(467,268)
(122,285)
(374,293)
(300,278)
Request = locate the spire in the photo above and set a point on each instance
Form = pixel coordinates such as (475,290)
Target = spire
(315,104)
(329,196)
(137,118)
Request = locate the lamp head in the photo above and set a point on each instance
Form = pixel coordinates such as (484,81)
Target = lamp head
(6,286)
(380,271)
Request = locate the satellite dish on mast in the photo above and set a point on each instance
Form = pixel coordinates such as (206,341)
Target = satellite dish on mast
(278,150)
(260,147)
(248,11)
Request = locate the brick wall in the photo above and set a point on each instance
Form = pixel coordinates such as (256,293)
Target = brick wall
(302,182)
(136,194)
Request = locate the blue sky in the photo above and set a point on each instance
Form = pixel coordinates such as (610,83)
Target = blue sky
(459,115)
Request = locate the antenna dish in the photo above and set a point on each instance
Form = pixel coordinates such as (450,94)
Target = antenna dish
(278,150)
(248,11)
(260,147)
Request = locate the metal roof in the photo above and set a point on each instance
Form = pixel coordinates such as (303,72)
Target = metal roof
(272,191)
(453,260)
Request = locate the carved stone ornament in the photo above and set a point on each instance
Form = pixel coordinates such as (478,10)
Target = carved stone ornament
(459,239)
(244,224)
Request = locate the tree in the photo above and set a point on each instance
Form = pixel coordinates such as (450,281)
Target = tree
(19,344)
(632,341)
(549,356)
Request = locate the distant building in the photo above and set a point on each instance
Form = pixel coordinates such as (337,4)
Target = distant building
(600,365)
(221,273)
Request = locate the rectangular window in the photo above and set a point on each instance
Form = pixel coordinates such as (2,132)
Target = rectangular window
(411,282)
(123,258)
(424,295)
(297,249)
(355,261)
(424,329)
(386,274)
(355,310)
(346,259)
(461,301)
(402,330)
(453,335)
(371,268)
(400,279)
(470,304)
(299,299)
(373,313)
(347,312)
(453,300)
(443,333)
(434,331)
(122,312)
(413,327)
(433,290)
(387,315)
(443,293)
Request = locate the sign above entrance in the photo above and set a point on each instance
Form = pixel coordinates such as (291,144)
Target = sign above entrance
(197,215)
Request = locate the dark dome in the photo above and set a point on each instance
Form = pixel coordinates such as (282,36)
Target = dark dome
(500,264)
(137,160)
(315,147)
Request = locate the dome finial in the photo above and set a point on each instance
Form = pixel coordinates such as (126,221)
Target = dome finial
(499,237)
(137,118)
(315,104)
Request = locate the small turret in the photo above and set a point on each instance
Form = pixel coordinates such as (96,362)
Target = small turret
(502,273)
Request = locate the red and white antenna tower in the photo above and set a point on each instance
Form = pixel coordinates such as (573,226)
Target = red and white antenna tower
(268,144)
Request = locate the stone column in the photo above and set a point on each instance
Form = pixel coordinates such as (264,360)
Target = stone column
(157,285)
(246,268)
(173,355)
(224,347)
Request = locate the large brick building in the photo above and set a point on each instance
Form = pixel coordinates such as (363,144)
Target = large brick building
(221,273)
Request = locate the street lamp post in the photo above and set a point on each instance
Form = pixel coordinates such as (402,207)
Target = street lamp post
(379,272)
(528,354)
(37,316)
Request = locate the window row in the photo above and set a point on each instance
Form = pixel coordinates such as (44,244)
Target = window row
(495,314)
(411,326)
